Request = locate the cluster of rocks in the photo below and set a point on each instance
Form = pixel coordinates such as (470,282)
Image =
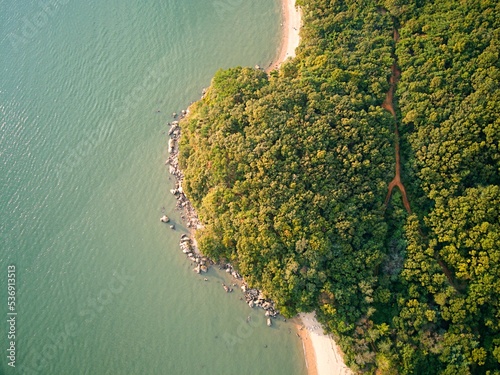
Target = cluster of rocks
(253,297)
(189,214)
(229,269)
(188,247)
(227,288)
(166,219)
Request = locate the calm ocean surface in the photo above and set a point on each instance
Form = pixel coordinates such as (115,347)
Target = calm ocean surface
(102,287)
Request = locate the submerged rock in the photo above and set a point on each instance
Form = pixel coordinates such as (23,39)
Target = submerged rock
(226,288)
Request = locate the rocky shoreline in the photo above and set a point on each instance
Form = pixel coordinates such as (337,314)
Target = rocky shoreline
(253,297)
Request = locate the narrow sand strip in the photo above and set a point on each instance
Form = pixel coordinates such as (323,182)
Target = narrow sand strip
(292,18)
(320,350)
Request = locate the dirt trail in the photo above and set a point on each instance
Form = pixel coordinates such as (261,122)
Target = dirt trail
(396,181)
(388,105)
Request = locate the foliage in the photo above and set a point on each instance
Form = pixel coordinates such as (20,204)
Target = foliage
(289,171)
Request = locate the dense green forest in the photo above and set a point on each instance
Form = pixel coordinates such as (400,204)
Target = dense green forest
(289,172)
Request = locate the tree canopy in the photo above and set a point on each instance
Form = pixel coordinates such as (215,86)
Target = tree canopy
(289,171)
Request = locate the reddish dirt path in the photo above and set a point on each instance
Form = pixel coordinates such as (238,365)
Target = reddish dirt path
(396,181)
(388,105)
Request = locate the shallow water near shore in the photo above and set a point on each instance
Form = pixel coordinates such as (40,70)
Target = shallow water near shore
(86,91)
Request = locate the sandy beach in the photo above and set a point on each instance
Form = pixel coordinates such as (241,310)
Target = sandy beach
(323,356)
(292,18)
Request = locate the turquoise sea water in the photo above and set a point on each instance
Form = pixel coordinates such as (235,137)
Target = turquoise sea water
(101,285)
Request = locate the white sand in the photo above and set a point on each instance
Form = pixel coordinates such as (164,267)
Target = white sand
(326,352)
(293,16)
(292,20)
